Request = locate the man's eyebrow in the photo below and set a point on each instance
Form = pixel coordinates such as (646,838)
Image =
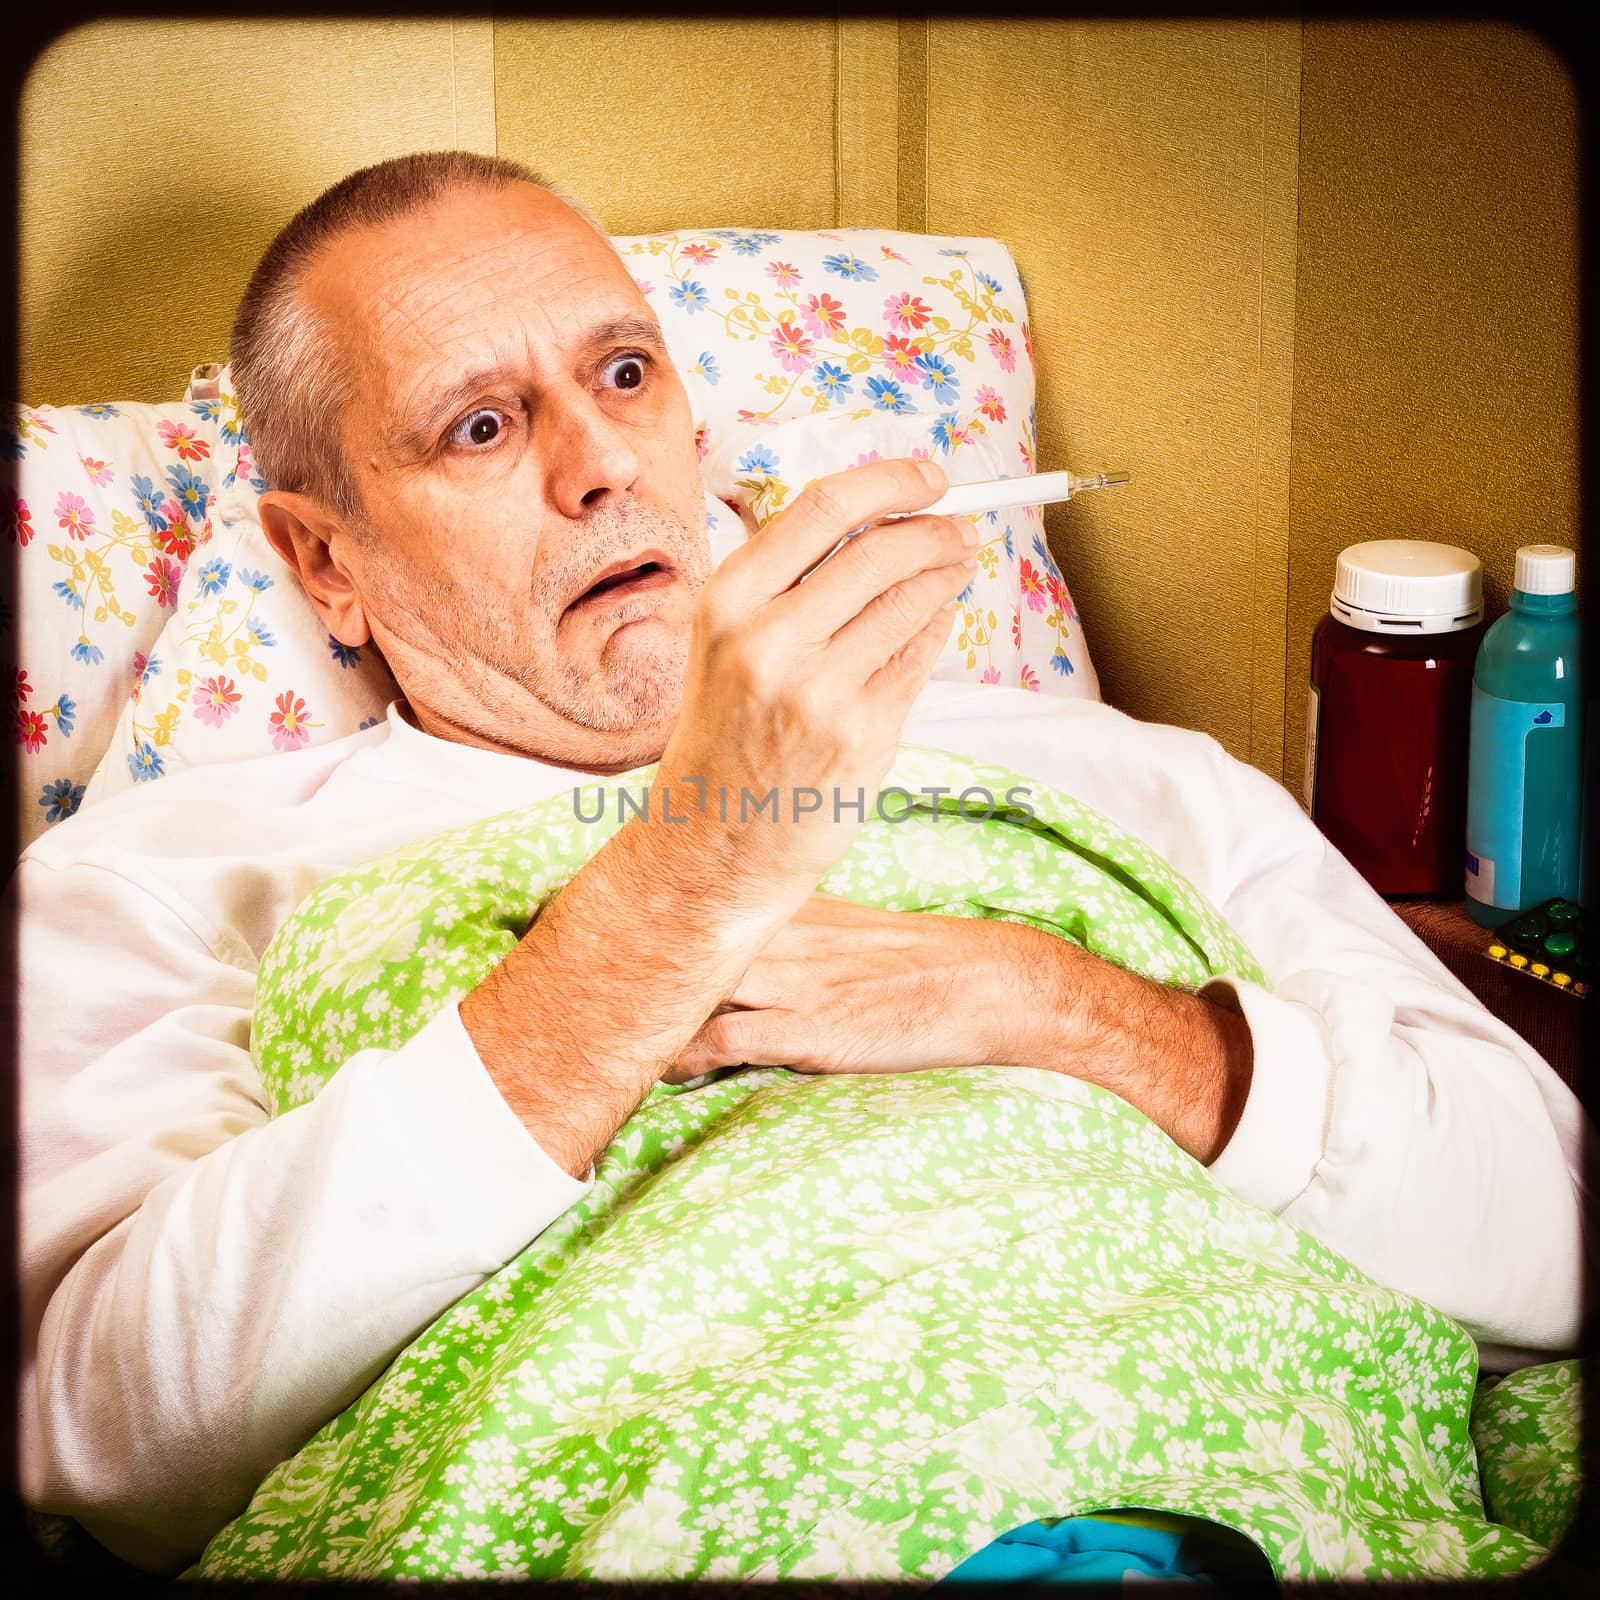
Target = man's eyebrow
(416,434)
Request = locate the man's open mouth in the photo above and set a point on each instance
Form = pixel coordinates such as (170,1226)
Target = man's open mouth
(636,574)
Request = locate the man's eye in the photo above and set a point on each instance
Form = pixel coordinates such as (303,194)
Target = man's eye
(629,371)
(480,427)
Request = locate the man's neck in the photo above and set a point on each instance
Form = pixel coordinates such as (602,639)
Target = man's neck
(436,728)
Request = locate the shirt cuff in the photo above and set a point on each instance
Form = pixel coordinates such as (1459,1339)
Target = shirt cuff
(474,1137)
(1274,1151)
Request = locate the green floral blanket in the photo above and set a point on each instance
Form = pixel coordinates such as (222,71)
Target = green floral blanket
(858,1326)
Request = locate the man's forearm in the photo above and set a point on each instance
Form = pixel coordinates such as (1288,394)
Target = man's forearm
(1185,1062)
(618,971)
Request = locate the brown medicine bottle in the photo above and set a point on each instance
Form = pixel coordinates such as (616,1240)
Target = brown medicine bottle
(1389,712)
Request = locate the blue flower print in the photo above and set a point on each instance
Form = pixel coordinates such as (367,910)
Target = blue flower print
(746,244)
(1011,552)
(955,252)
(66,708)
(214,575)
(965,597)
(370,722)
(151,500)
(206,410)
(706,366)
(939,374)
(61,799)
(259,634)
(991,284)
(258,581)
(887,396)
(691,295)
(850,267)
(347,655)
(151,667)
(943,432)
(91,655)
(100,411)
(192,491)
(1061,664)
(146,763)
(832,380)
(761,459)
(68,593)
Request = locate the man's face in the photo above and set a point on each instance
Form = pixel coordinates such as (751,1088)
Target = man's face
(516,431)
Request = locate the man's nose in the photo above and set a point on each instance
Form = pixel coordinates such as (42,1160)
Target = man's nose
(587,453)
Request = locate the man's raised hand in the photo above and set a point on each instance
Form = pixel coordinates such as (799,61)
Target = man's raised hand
(793,687)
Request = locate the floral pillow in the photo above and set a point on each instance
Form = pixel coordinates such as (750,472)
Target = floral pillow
(923,331)
(109,503)
(922,341)
(1013,612)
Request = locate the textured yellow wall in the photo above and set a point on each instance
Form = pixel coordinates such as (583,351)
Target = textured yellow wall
(1143,176)
(1436,314)
(149,190)
(1308,285)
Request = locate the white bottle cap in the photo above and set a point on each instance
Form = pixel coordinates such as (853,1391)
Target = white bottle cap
(1546,569)
(1407,586)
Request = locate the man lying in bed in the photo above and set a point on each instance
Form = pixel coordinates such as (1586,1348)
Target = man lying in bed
(466,418)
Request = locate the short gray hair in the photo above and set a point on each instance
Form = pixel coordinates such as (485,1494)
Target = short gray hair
(287,376)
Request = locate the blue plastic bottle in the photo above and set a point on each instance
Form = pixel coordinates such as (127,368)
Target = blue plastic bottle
(1525,759)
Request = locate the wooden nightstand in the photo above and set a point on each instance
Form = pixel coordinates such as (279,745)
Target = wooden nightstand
(1551,1021)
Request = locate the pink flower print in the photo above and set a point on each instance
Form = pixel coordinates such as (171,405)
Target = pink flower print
(290,729)
(701,254)
(1027,342)
(1028,678)
(1001,346)
(906,312)
(163,577)
(990,675)
(823,315)
(990,404)
(1032,586)
(892,255)
(900,356)
(871,455)
(1027,457)
(700,445)
(18,523)
(181,437)
(792,348)
(1016,627)
(644,288)
(32,731)
(99,471)
(920,452)
(1059,597)
(74,514)
(22,688)
(217,701)
(782,274)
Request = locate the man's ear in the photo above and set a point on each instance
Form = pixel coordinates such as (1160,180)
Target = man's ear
(302,532)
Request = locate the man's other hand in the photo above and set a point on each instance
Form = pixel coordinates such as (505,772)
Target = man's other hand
(848,988)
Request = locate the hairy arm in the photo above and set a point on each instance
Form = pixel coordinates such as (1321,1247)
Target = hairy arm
(1184,1060)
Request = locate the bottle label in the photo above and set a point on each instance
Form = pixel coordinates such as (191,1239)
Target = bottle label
(1497,780)
(1309,781)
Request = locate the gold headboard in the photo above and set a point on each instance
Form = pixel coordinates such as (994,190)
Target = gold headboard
(1310,284)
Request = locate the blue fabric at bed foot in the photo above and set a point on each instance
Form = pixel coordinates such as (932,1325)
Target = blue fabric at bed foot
(1116,1545)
